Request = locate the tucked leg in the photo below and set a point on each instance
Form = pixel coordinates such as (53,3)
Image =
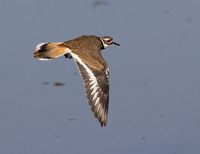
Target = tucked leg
(67,55)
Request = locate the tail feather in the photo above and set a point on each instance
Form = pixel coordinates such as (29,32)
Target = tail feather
(47,51)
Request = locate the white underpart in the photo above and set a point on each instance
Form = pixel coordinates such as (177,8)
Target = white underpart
(92,79)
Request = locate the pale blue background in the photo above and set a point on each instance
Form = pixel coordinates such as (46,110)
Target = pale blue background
(154,77)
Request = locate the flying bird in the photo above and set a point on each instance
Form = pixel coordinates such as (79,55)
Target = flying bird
(86,52)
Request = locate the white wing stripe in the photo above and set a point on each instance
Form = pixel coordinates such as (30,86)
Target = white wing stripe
(95,96)
(93,80)
(97,99)
(92,77)
(96,103)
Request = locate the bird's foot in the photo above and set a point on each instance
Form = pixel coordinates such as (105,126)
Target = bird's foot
(67,55)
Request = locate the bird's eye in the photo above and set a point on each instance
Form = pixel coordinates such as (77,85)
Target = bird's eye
(109,41)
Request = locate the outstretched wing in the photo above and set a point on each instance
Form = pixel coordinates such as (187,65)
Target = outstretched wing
(96,84)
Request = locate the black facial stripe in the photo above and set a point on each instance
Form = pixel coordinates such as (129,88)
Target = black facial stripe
(102,46)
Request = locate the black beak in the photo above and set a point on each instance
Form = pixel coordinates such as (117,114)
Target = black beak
(116,43)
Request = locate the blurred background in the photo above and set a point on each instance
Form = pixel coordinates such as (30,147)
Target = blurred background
(154,77)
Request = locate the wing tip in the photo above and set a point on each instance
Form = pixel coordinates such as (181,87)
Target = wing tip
(103,124)
(102,119)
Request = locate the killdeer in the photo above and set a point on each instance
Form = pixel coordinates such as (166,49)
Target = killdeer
(86,52)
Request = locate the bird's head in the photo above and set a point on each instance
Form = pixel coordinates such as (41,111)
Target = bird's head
(108,41)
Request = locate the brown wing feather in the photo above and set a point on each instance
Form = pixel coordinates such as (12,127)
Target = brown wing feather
(96,84)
